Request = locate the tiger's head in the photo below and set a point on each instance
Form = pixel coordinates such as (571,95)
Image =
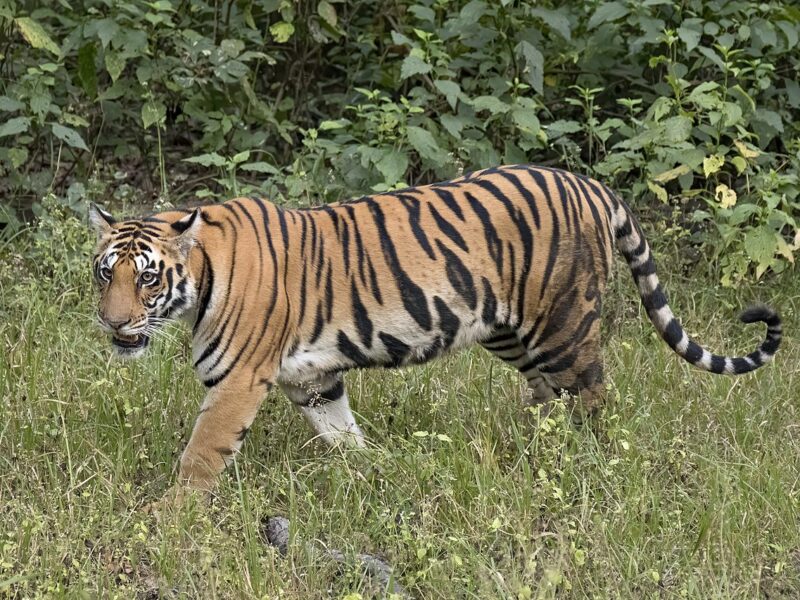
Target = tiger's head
(142,271)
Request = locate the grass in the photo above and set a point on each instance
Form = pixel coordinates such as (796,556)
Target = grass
(686,486)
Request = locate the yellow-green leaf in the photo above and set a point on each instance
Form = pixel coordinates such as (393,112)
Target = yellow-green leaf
(739,163)
(672,174)
(745,150)
(282,31)
(725,196)
(712,164)
(659,191)
(35,35)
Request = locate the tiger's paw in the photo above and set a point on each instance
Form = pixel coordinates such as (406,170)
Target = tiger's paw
(175,500)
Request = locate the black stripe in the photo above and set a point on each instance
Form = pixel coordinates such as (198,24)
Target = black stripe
(413,297)
(373,282)
(318,323)
(207,285)
(333,393)
(459,276)
(359,244)
(654,301)
(448,229)
(329,293)
(493,242)
(397,349)
(525,192)
(450,201)
(351,351)
(361,317)
(489,303)
(449,323)
(411,205)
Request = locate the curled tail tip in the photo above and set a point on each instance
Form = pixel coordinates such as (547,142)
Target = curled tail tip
(761,313)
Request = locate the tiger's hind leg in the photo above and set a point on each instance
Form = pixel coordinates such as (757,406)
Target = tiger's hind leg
(506,346)
(325,406)
(573,363)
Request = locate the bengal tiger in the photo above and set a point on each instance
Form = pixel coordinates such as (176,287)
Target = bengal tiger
(513,258)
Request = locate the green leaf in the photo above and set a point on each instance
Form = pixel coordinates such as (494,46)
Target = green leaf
(231,48)
(424,143)
(241,157)
(450,89)
(281,31)
(534,65)
(87,73)
(328,13)
(702,96)
(490,103)
(526,119)
(413,65)
(562,127)
(555,20)
(473,11)
(677,129)
(40,102)
(770,118)
(10,105)
(337,124)
(115,64)
(153,113)
(760,245)
(393,166)
(690,33)
(106,29)
(18,156)
(453,124)
(35,35)
(259,167)
(608,11)
(208,160)
(69,136)
(15,126)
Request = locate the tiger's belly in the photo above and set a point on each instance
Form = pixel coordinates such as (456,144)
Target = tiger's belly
(389,342)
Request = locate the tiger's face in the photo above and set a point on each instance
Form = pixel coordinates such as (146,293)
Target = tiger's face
(141,269)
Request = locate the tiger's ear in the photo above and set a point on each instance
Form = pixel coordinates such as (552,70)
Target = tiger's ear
(187,229)
(101,220)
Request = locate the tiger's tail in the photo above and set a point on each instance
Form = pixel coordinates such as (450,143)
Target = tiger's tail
(634,247)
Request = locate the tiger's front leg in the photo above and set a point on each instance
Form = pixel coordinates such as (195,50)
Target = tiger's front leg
(225,417)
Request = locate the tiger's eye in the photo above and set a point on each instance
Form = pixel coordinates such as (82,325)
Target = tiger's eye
(147,278)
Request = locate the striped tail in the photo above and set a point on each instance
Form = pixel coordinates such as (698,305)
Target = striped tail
(636,250)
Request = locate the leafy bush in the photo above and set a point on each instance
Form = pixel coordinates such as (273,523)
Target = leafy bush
(691,104)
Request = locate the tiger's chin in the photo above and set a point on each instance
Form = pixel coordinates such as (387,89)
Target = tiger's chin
(130,346)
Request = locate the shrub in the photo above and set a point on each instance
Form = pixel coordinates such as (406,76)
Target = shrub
(690,104)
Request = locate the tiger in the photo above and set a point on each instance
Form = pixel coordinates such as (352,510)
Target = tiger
(513,258)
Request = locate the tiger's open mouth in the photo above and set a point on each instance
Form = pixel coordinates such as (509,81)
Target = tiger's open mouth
(130,342)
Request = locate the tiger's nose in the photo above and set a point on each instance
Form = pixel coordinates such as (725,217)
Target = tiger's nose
(116,323)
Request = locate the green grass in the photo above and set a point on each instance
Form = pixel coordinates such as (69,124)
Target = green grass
(688,485)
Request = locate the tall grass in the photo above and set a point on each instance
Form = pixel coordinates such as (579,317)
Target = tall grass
(687,485)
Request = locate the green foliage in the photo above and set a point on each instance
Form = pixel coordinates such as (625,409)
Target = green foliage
(694,103)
